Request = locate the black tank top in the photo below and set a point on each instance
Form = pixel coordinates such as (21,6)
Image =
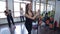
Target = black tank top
(28,20)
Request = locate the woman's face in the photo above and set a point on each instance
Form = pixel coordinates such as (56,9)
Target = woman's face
(30,6)
(47,22)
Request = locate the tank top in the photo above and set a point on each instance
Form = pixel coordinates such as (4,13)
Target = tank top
(28,20)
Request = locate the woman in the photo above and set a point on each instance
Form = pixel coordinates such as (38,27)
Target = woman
(21,15)
(29,17)
(9,19)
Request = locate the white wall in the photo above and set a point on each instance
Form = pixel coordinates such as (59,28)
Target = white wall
(57,13)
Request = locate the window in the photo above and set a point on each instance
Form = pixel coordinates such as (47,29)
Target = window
(49,7)
(16,14)
(17,6)
(16,9)
(23,5)
(52,7)
(2,15)
(2,8)
(42,7)
(37,7)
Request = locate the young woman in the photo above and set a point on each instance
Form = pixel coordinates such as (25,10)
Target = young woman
(21,15)
(29,17)
(9,19)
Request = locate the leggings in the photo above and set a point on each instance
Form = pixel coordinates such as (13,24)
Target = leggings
(9,19)
(22,18)
(29,28)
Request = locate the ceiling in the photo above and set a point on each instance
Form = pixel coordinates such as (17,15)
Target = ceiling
(38,0)
(44,1)
(49,1)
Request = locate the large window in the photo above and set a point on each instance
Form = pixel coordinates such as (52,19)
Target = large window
(16,8)
(37,7)
(2,8)
(49,7)
(42,7)
(23,5)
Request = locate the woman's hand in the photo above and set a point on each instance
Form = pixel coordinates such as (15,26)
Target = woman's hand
(37,13)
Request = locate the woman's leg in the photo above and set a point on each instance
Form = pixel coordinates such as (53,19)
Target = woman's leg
(21,18)
(9,23)
(12,20)
(29,28)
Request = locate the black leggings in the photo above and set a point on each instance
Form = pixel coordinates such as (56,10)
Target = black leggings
(29,28)
(9,19)
(22,18)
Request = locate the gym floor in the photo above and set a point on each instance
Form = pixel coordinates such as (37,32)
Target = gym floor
(41,30)
(20,29)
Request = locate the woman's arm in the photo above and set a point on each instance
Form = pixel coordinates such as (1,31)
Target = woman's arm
(26,15)
(31,17)
(6,13)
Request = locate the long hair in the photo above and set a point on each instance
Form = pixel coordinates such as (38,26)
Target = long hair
(27,8)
